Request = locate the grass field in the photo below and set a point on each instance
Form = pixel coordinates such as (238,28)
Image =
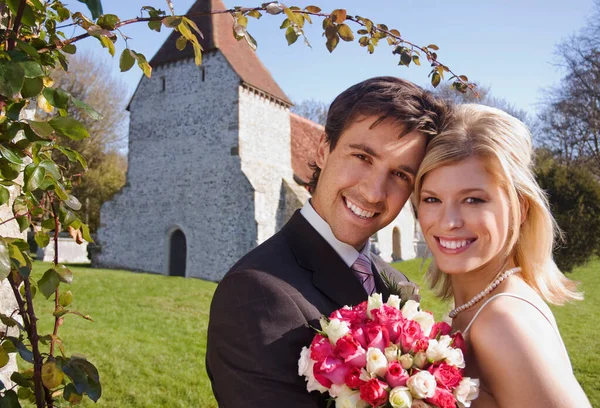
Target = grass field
(149,335)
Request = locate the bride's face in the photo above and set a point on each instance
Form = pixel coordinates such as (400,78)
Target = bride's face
(464,214)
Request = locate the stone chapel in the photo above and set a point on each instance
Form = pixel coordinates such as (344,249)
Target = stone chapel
(217,163)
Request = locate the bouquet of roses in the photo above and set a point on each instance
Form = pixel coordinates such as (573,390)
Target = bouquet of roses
(377,354)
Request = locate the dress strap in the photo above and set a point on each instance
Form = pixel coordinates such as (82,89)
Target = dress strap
(465,332)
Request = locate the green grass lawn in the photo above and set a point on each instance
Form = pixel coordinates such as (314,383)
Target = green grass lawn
(149,335)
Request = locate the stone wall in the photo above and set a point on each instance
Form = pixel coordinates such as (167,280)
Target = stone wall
(184,172)
(265,151)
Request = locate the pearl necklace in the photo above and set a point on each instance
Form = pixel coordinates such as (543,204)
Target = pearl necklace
(454,312)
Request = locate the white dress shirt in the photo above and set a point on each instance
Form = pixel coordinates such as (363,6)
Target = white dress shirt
(347,252)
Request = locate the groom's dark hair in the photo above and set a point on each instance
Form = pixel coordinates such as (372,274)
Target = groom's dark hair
(386,98)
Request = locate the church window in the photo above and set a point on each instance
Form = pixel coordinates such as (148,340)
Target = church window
(164,83)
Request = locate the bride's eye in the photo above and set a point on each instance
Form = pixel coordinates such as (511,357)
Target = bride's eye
(474,200)
(430,200)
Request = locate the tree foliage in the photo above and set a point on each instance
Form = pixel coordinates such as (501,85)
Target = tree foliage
(574,195)
(570,119)
(38,155)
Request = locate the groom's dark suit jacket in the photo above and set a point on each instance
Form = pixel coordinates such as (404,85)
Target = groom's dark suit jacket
(261,313)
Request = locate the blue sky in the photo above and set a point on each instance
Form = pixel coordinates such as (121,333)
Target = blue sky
(507,45)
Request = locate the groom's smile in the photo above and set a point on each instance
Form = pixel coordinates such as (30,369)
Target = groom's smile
(367,178)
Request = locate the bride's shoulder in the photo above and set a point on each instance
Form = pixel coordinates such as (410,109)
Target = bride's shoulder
(514,326)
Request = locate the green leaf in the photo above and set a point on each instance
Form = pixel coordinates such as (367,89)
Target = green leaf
(32,87)
(4,260)
(66,216)
(416,60)
(435,79)
(255,14)
(28,48)
(251,41)
(155,25)
(10,399)
(11,78)
(95,7)
(290,35)
(89,110)
(72,155)
(332,43)
(49,282)
(69,48)
(48,224)
(51,168)
(32,69)
(4,358)
(85,231)
(9,155)
(127,60)
(108,21)
(171,21)
(16,377)
(285,24)
(70,394)
(345,32)
(56,97)
(143,64)
(42,129)
(65,298)
(73,203)
(4,195)
(69,127)
(42,239)
(34,176)
(64,273)
(25,354)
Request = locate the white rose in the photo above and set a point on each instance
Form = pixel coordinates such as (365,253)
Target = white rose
(420,359)
(351,400)
(422,385)
(364,375)
(425,320)
(336,329)
(400,397)
(455,357)
(466,391)
(410,309)
(375,302)
(445,340)
(337,391)
(417,403)
(436,351)
(377,364)
(313,385)
(391,353)
(406,361)
(305,363)
(394,301)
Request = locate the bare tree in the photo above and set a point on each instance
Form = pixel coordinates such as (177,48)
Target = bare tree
(313,110)
(570,119)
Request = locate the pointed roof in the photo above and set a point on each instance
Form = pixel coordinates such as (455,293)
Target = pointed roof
(305,140)
(218,34)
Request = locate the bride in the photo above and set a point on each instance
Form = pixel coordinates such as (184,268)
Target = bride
(489,227)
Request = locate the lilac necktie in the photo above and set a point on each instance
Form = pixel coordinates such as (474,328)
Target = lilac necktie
(364,273)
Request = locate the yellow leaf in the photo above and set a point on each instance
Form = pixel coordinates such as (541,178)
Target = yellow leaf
(44,105)
(4,358)
(52,375)
(345,32)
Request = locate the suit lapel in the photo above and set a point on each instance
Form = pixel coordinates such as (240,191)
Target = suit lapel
(331,275)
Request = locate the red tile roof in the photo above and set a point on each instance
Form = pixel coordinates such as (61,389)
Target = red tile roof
(218,34)
(305,139)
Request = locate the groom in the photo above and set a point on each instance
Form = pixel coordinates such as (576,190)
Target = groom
(263,309)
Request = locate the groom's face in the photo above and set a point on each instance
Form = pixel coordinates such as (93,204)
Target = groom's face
(367,178)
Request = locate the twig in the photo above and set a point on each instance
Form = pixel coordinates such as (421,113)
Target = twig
(16,25)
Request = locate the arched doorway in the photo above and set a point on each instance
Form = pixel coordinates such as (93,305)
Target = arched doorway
(396,245)
(177,254)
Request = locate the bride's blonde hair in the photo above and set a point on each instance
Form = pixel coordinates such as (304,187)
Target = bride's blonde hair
(504,144)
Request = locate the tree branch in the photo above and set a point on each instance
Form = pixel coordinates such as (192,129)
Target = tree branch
(16,25)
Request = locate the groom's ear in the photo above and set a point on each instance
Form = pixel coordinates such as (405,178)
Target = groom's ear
(322,152)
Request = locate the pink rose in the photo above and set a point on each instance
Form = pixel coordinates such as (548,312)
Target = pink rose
(374,392)
(446,375)
(442,399)
(396,375)
(458,341)
(350,351)
(421,345)
(377,336)
(410,333)
(386,315)
(440,329)
(352,378)
(354,316)
(359,334)
(320,348)
(333,369)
